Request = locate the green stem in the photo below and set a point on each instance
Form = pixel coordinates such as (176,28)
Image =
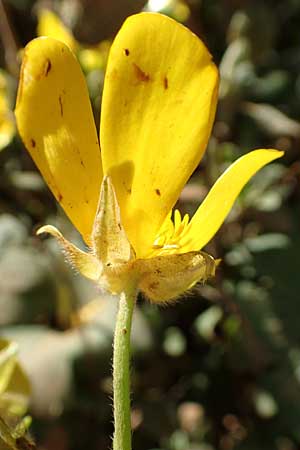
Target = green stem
(121,371)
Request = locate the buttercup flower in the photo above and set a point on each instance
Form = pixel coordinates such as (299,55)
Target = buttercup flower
(7,124)
(158,108)
(91,57)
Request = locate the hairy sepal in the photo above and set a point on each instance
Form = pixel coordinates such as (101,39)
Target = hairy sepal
(110,243)
(83,262)
(164,278)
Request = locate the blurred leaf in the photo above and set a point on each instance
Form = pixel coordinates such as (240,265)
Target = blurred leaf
(271,120)
(268,241)
(12,231)
(206,322)
(265,404)
(174,343)
(27,181)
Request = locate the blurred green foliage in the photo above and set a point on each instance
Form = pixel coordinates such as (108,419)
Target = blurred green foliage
(220,369)
(14,399)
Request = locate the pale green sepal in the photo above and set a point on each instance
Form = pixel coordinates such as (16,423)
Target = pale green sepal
(110,243)
(86,263)
(164,278)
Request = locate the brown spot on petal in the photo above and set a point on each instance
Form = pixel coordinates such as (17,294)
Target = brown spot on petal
(59,197)
(48,66)
(157,191)
(166,83)
(32,142)
(141,76)
(61,106)
(127,52)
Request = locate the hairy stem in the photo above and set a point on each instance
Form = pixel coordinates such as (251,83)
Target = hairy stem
(121,371)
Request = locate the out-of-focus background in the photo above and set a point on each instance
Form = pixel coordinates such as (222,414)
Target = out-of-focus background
(219,369)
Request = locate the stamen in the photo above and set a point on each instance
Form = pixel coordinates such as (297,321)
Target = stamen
(170,246)
(177,221)
(157,246)
(171,233)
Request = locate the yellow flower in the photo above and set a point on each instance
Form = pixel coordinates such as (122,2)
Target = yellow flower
(7,124)
(14,384)
(158,108)
(177,9)
(91,58)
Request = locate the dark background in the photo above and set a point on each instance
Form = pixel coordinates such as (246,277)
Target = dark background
(220,368)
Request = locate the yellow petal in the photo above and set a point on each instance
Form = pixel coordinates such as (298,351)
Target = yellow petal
(164,278)
(157,111)
(55,120)
(8,351)
(92,58)
(15,399)
(217,204)
(7,125)
(14,384)
(49,24)
(83,262)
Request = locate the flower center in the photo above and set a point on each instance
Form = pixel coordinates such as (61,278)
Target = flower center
(168,240)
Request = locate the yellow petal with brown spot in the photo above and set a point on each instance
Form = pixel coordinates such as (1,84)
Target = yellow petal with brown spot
(218,203)
(56,123)
(158,108)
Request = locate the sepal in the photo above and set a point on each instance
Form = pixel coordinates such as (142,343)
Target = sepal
(109,241)
(86,263)
(165,278)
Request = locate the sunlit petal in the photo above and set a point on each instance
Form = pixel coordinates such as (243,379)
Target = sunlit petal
(7,124)
(158,107)
(49,24)
(56,124)
(217,204)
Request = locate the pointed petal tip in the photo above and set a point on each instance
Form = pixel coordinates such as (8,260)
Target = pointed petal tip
(271,153)
(277,153)
(219,201)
